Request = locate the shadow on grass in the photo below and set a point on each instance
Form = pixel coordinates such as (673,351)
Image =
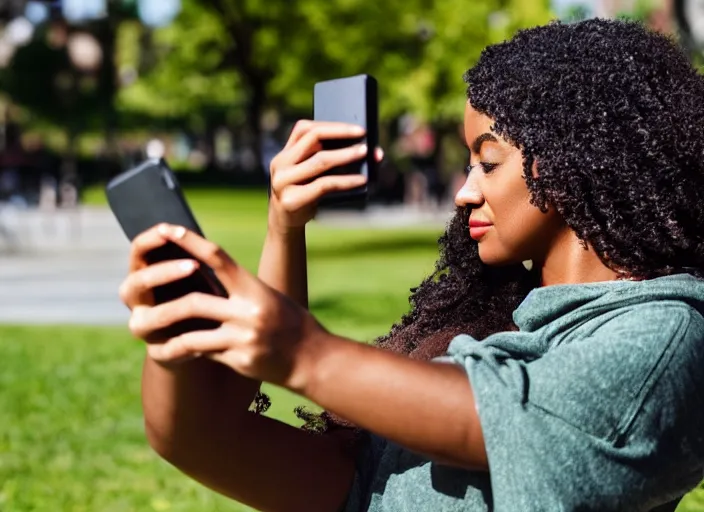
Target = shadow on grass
(377,246)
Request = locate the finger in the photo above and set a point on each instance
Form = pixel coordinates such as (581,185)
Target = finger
(299,129)
(209,253)
(193,344)
(304,126)
(135,288)
(311,141)
(169,363)
(146,320)
(307,141)
(319,163)
(142,244)
(304,195)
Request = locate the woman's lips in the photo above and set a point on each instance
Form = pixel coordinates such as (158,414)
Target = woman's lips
(478,228)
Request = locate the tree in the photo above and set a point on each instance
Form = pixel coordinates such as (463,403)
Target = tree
(243,56)
(174,76)
(44,80)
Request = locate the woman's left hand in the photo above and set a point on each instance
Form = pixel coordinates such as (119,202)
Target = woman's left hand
(264,335)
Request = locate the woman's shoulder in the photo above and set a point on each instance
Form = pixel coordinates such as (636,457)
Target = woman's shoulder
(662,319)
(647,313)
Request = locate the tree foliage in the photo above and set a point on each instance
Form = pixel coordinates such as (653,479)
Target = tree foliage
(225,61)
(227,53)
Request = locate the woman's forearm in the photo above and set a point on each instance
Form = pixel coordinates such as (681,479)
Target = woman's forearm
(283,263)
(196,417)
(426,407)
(180,401)
(183,401)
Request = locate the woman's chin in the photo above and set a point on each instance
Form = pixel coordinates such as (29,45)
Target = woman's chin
(490,256)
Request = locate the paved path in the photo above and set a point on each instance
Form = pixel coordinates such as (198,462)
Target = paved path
(66,266)
(385,217)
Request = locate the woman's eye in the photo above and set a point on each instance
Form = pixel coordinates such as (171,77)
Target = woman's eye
(486,167)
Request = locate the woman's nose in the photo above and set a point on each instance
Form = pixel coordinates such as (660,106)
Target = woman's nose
(470,193)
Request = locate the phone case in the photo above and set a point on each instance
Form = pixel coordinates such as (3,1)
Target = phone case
(143,197)
(350,100)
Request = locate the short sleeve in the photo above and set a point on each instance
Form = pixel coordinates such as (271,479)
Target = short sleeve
(612,421)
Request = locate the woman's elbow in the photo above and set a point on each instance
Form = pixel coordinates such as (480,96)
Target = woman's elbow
(160,441)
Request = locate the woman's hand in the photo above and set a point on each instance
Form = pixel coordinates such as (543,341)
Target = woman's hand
(296,184)
(263,334)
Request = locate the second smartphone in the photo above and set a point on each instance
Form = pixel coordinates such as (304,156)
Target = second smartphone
(351,100)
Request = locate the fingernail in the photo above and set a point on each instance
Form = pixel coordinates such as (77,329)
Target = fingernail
(187,265)
(178,232)
(363,149)
(356,129)
(169,231)
(379,153)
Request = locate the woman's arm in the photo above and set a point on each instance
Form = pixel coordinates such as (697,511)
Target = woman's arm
(196,417)
(196,412)
(283,263)
(424,406)
(295,191)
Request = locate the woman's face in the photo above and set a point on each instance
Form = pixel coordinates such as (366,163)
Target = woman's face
(508,228)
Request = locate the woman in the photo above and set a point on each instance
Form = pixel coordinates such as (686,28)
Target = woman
(576,256)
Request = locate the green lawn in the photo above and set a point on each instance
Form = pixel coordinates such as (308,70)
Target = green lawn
(71,436)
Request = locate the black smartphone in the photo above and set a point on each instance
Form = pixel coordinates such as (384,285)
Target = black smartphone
(351,100)
(143,197)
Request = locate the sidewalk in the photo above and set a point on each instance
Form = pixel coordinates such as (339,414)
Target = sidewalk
(35,231)
(65,267)
(386,217)
(95,229)
(61,267)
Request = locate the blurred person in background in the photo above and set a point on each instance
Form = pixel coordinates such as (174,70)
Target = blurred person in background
(15,164)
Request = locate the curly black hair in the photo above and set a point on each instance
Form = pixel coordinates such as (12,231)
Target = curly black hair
(613,116)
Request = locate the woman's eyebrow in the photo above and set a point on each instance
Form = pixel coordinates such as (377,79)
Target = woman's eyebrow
(484,137)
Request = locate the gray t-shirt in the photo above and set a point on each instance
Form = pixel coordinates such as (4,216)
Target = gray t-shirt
(595,404)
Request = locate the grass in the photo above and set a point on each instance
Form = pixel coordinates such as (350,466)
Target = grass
(71,435)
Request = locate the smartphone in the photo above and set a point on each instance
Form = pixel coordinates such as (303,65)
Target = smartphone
(351,100)
(143,197)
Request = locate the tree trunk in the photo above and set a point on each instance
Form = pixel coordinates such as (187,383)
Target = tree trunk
(442,130)
(254,113)
(107,82)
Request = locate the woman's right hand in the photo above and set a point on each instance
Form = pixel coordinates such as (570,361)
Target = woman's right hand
(296,184)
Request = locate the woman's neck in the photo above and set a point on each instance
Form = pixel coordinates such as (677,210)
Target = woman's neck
(569,262)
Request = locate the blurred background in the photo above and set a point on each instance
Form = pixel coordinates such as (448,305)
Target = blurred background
(89,88)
